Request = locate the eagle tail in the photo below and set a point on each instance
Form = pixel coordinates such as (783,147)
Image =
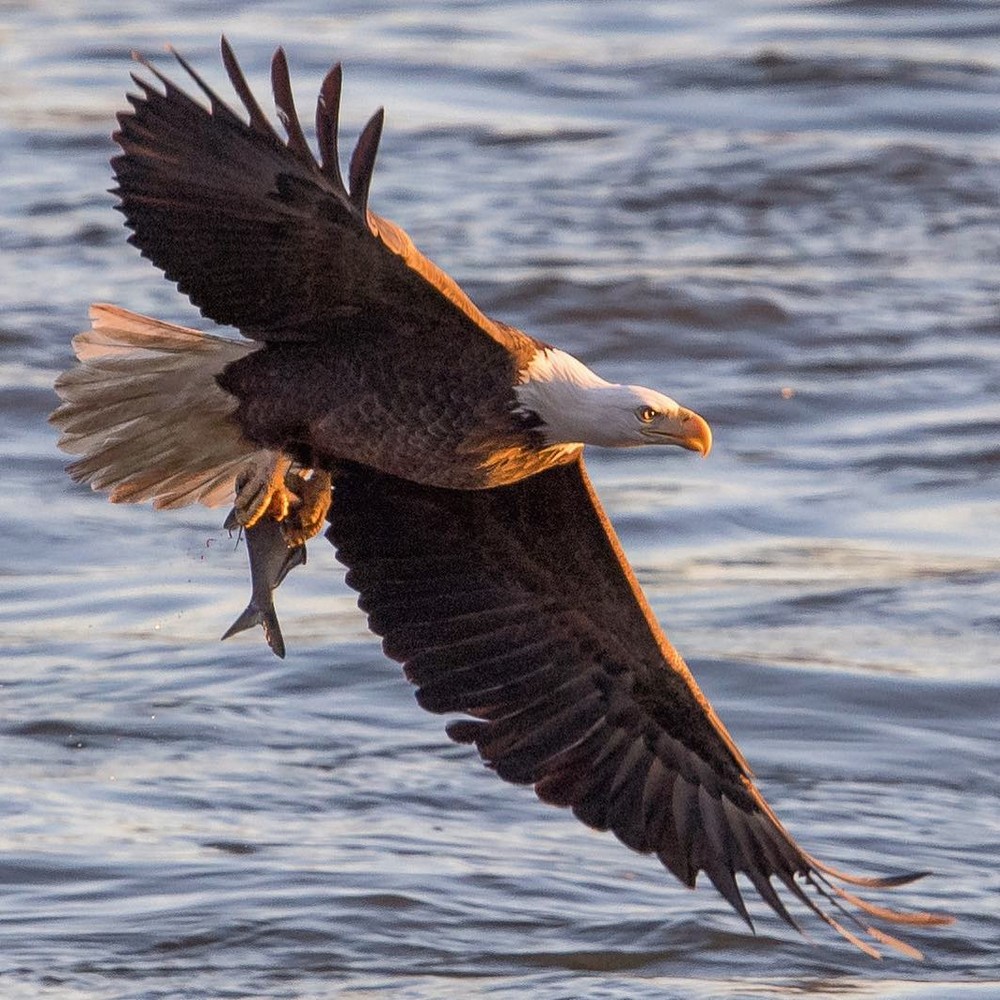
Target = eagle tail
(145,413)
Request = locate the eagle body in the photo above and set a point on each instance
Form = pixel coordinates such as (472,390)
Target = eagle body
(460,502)
(454,423)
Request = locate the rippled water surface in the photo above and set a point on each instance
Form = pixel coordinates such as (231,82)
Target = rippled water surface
(787,215)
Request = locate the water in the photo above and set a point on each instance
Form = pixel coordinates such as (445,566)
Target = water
(786,215)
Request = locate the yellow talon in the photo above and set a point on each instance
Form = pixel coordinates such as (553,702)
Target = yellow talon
(261,490)
(309,511)
(298,500)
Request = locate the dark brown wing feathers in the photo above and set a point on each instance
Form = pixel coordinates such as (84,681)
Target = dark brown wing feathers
(363,160)
(262,237)
(281,87)
(328,125)
(514,606)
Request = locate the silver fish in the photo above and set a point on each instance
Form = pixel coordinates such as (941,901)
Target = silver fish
(270,560)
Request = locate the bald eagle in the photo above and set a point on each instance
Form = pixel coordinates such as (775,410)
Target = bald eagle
(445,450)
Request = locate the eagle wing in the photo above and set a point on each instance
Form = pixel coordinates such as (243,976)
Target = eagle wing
(263,237)
(516,606)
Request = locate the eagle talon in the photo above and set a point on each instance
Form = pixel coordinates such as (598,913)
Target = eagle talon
(261,490)
(309,510)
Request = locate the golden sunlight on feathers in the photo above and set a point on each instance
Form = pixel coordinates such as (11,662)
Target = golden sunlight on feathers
(145,412)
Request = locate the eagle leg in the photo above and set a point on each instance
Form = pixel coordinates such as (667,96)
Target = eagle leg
(309,508)
(261,489)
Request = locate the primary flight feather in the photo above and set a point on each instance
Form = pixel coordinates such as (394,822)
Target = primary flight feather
(445,450)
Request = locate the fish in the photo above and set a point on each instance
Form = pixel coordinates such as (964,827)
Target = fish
(271,559)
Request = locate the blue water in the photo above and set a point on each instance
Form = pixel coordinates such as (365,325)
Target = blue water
(786,215)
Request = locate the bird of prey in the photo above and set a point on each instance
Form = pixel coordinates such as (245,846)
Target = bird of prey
(445,448)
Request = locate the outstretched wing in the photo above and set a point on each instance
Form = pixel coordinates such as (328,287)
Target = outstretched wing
(516,606)
(263,237)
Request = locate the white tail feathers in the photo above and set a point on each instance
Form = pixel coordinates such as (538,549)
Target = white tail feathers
(144,411)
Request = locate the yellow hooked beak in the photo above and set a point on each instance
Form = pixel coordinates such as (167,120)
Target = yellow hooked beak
(697,435)
(685,429)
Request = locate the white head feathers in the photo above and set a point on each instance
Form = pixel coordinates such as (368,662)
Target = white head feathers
(576,406)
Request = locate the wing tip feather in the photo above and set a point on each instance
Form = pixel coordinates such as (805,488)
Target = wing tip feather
(284,102)
(362,166)
(328,110)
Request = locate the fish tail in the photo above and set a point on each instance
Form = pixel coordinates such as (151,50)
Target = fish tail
(144,412)
(255,615)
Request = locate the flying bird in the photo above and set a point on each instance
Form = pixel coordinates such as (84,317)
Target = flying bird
(444,448)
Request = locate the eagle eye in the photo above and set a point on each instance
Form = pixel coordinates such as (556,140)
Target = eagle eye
(646,414)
